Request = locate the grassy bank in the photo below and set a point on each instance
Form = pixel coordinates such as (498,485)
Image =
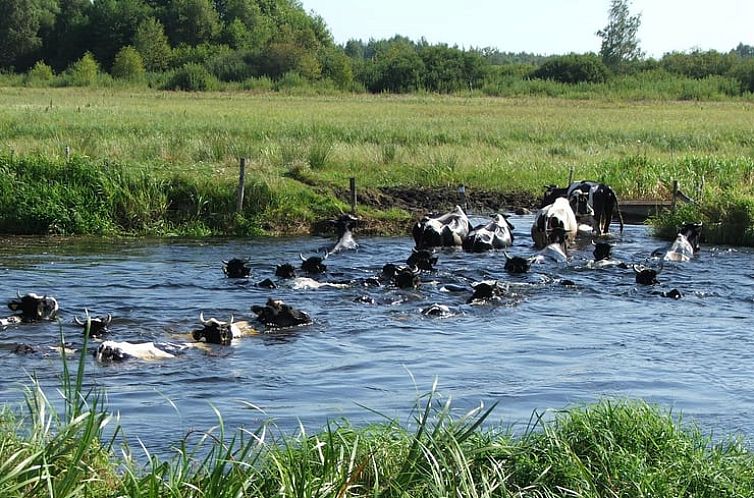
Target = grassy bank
(610,448)
(303,149)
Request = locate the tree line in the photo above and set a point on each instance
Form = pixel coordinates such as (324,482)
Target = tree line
(197,44)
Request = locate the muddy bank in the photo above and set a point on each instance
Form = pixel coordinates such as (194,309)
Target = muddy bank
(418,201)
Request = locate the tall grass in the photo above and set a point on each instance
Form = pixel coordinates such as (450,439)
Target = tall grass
(610,448)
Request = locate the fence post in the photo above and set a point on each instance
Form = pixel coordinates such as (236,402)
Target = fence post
(67,152)
(570,176)
(675,195)
(352,185)
(462,197)
(241,185)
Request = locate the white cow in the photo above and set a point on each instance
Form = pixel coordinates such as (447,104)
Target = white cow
(560,215)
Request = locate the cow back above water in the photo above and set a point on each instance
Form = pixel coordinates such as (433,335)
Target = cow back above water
(685,245)
(447,230)
(558,215)
(497,234)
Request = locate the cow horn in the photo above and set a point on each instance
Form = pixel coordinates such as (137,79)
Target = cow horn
(201,318)
(302,257)
(225,262)
(78,322)
(109,319)
(327,253)
(18,294)
(231,319)
(635,269)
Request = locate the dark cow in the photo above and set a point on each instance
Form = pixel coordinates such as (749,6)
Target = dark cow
(403,277)
(313,264)
(236,268)
(214,331)
(497,234)
(423,259)
(345,241)
(645,275)
(447,230)
(486,290)
(33,307)
(602,251)
(112,351)
(97,326)
(277,314)
(517,264)
(685,246)
(286,270)
(558,215)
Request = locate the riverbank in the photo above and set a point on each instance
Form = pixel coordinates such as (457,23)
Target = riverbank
(610,448)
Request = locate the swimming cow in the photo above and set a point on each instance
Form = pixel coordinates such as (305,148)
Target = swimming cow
(497,234)
(33,307)
(345,241)
(214,331)
(277,314)
(685,246)
(447,230)
(113,351)
(236,268)
(97,325)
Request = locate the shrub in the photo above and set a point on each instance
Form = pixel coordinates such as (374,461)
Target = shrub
(40,74)
(193,78)
(128,64)
(573,68)
(84,71)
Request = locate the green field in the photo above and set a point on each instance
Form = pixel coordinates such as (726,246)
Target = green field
(301,147)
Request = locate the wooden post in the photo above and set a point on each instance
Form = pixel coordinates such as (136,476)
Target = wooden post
(570,176)
(675,195)
(462,197)
(67,152)
(352,185)
(241,184)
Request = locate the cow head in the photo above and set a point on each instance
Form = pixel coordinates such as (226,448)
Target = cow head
(286,270)
(236,268)
(436,310)
(97,326)
(34,307)
(275,313)
(486,290)
(109,351)
(313,264)
(214,331)
(345,223)
(423,259)
(693,233)
(406,277)
(579,201)
(517,264)
(552,192)
(602,251)
(645,275)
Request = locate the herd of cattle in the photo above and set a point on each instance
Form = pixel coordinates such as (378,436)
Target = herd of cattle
(583,208)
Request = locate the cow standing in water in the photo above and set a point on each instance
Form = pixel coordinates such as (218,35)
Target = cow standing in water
(593,199)
(557,215)
(345,241)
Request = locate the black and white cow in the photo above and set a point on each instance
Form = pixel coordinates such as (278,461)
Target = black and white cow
(97,326)
(33,307)
(214,331)
(343,226)
(403,277)
(517,264)
(685,245)
(277,314)
(497,234)
(558,215)
(313,264)
(423,259)
(589,199)
(556,250)
(447,230)
(237,268)
(485,291)
(113,351)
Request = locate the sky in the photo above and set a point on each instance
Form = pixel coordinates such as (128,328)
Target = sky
(543,27)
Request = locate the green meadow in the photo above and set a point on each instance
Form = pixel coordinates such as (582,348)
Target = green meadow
(301,149)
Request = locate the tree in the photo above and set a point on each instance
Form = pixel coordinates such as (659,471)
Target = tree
(152,43)
(20,23)
(84,71)
(128,64)
(192,22)
(619,42)
(112,25)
